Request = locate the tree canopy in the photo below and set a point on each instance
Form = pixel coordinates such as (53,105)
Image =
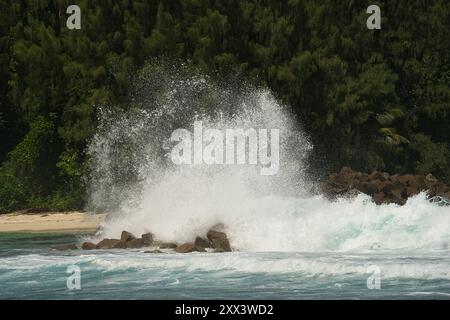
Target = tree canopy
(370,99)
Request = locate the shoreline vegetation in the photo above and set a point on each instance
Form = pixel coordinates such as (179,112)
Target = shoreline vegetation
(369,99)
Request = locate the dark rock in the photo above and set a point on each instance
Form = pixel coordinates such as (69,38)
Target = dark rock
(189,247)
(378,185)
(202,242)
(376,175)
(332,191)
(153,251)
(127,236)
(364,177)
(405,179)
(367,188)
(354,183)
(394,179)
(344,177)
(440,188)
(219,240)
(387,188)
(430,180)
(107,243)
(379,198)
(398,196)
(168,245)
(397,199)
(398,192)
(120,245)
(135,243)
(63,247)
(88,246)
(381,186)
(418,183)
(357,175)
(411,191)
(147,238)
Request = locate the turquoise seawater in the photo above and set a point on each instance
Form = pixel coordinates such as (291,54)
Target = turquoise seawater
(29,269)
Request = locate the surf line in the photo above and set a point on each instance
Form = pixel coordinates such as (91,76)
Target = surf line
(187,310)
(228,147)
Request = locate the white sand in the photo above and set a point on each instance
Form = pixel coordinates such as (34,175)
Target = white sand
(50,221)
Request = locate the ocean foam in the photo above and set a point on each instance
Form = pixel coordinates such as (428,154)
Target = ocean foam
(262,213)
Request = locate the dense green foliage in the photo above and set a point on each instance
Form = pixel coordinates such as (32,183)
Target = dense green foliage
(367,98)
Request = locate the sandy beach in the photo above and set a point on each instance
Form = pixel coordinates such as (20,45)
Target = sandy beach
(50,221)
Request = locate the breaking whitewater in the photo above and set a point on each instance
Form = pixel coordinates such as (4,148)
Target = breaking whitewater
(288,242)
(134,178)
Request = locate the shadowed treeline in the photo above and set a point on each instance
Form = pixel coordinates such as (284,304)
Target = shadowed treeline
(368,99)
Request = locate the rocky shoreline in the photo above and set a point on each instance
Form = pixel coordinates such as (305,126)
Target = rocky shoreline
(383,187)
(216,240)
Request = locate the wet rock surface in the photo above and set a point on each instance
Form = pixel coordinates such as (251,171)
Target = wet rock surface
(88,246)
(108,244)
(219,240)
(202,242)
(127,236)
(168,245)
(189,247)
(153,251)
(383,187)
(147,238)
(64,247)
(216,240)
